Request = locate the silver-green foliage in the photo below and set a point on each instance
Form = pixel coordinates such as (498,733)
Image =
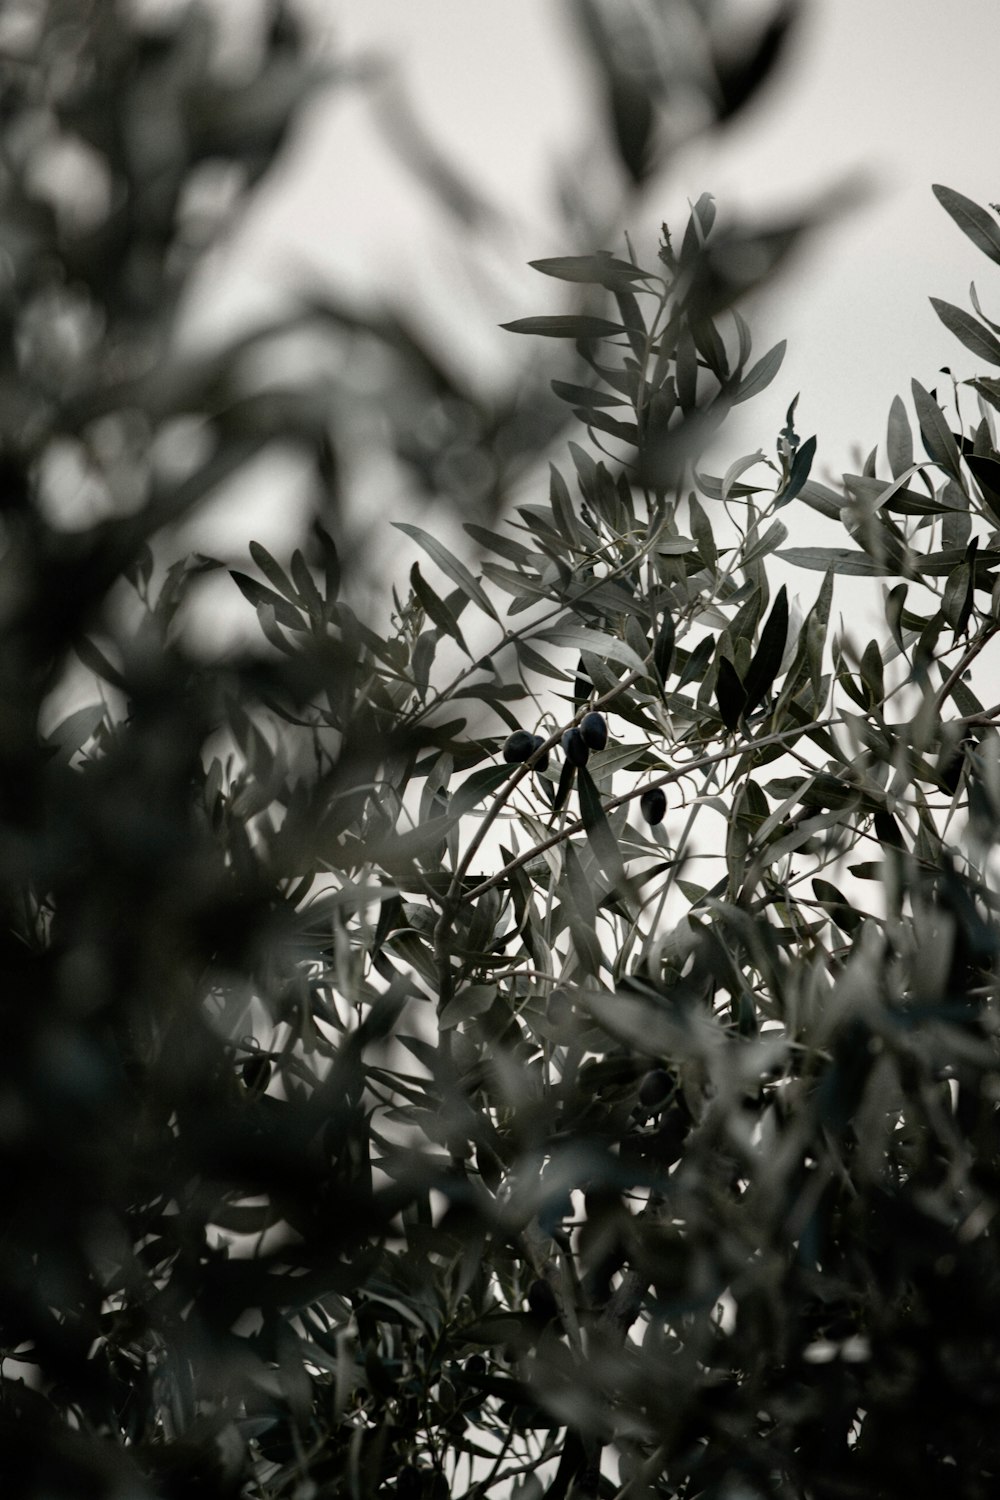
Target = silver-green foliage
(393,1099)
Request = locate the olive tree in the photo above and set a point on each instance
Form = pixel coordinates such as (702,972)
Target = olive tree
(537,1037)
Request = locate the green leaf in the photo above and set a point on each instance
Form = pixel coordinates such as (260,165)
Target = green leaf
(286,614)
(736,468)
(894,606)
(503,546)
(562,507)
(698,229)
(565,326)
(981,228)
(767,658)
(585,396)
(695,666)
(801,466)
(836,906)
(934,429)
(729,693)
(986,472)
(581,911)
(598,830)
(477,786)
(967,328)
(73,732)
(760,546)
(93,657)
(899,439)
(565,783)
(474,1000)
(306,585)
(989,389)
(331,561)
(455,570)
(872,675)
(845,560)
(625,432)
(436,608)
(701,530)
(631,315)
(819,498)
(580,638)
(663,649)
(600,269)
(275,574)
(888,831)
(534,661)
(760,376)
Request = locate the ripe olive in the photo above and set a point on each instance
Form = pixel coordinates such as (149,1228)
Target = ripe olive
(576,748)
(255,1071)
(594,728)
(519,746)
(542,1301)
(655,1088)
(475,1366)
(542,762)
(653,805)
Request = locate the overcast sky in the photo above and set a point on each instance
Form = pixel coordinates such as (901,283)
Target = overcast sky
(896,93)
(899,92)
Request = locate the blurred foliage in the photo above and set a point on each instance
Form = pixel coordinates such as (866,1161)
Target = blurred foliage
(539,1039)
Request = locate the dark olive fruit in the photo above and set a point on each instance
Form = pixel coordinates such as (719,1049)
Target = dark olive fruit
(409,1484)
(475,1366)
(576,749)
(542,762)
(655,1088)
(594,728)
(519,746)
(256,1072)
(542,1301)
(653,805)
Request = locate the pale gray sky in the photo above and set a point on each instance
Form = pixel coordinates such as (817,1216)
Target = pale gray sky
(897,92)
(900,91)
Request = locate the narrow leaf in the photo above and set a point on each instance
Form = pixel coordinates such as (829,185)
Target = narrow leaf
(760,376)
(767,658)
(899,439)
(580,638)
(285,613)
(972,220)
(843,560)
(565,326)
(601,269)
(934,429)
(801,465)
(663,649)
(583,395)
(965,327)
(456,571)
(729,693)
(435,607)
(598,830)
(697,661)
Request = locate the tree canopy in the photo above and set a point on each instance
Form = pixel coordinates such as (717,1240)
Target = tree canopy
(536,1034)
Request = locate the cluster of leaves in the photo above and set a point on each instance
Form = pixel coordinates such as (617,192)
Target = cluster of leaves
(393,1100)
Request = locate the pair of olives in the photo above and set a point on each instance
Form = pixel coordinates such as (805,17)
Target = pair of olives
(577,743)
(590,734)
(521,746)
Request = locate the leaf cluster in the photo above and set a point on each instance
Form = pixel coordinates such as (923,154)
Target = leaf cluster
(540,1039)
